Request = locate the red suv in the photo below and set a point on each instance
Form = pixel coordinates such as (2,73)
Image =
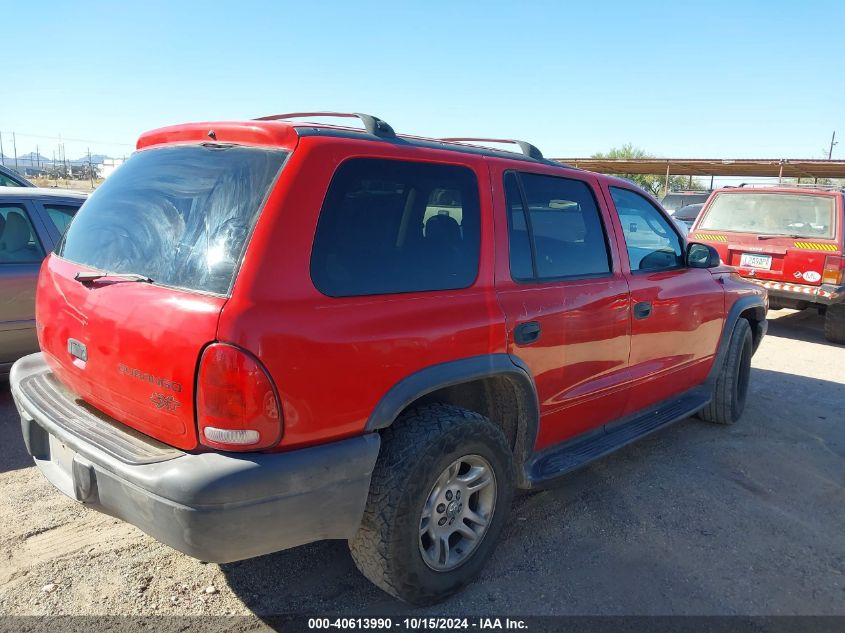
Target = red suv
(259,334)
(787,240)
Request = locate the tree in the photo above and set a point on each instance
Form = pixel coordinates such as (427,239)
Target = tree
(652,183)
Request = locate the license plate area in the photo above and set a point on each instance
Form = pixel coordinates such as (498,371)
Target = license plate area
(753,260)
(61,456)
(59,468)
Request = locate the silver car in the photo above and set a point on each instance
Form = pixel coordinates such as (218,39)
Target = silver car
(32,221)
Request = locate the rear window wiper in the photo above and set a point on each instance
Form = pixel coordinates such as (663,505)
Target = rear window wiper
(89,278)
(775,235)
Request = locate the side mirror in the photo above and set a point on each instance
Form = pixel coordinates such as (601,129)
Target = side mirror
(702,256)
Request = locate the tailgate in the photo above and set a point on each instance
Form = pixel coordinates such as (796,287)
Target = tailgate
(140,345)
(159,244)
(784,259)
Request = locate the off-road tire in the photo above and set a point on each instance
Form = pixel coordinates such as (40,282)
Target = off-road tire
(834,323)
(415,450)
(731,388)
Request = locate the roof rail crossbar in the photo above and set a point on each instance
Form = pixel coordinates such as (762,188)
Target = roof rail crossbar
(527,148)
(372,124)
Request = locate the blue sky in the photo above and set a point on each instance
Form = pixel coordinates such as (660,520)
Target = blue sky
(680,79)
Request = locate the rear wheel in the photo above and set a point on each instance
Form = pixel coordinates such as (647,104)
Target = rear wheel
(834,323)
(440,493)
(731,388)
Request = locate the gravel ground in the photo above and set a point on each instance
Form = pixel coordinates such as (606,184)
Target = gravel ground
(696,519)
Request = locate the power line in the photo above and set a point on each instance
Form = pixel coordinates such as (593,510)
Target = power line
(75,140)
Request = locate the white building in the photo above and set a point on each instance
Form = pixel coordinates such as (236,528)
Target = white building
(109,165)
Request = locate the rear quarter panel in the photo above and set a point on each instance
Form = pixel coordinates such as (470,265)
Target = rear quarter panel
(332,359)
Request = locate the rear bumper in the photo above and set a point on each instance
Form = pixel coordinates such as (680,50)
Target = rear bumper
(217,507)
(825,294)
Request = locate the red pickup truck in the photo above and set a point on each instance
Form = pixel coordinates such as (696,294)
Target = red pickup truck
(263,333)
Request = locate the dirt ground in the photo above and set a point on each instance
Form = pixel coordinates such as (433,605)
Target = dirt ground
(696,519)
(64,183)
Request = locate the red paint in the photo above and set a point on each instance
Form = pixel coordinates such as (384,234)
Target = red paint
(332,359)
(127,327)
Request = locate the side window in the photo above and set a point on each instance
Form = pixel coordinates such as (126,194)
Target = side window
(522,267)
(60,215)
(390,226)
(651,241)
(18,242)
(559,217)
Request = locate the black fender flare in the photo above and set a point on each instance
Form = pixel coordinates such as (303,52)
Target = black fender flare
(741,305)
(456,372)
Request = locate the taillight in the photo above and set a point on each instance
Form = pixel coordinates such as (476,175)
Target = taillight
(834,270)
(237,406)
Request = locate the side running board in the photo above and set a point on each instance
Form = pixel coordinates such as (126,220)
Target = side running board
(563,459)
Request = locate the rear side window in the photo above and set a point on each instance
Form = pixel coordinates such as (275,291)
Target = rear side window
(179,215)
(391,226)
(556,222)
(18,242)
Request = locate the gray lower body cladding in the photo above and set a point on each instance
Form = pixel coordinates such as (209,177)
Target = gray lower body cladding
(218,507)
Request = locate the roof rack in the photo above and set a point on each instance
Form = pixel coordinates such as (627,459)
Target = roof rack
(527,148)
(372,124)
(791,185)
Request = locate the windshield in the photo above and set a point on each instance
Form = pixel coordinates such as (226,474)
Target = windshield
(178,215)
(772,214)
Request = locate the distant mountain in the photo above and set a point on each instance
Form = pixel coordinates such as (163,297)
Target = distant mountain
(96,159)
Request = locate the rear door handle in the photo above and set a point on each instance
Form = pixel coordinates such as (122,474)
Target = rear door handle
(642,310)
(527,333)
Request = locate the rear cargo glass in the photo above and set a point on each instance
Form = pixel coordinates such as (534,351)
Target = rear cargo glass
(772,214)
(179,215)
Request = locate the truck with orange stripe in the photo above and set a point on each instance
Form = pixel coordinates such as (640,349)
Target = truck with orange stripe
(788,240)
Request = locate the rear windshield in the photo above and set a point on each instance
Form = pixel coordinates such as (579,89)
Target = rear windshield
(179,215)
(772,214)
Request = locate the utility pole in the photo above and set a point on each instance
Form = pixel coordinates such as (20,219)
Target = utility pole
(2,156)
(15,148)
(90,168)
(832,143)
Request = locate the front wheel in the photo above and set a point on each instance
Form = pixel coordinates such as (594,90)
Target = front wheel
(731,387)
(440,494)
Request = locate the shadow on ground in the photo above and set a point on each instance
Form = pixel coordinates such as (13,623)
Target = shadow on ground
(13,453)
(697,518)
(804,325)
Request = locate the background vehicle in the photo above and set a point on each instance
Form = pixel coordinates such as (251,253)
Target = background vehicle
(310,331)
(687,214)
(674,200)
(788,240)
(31,222)
(11,178)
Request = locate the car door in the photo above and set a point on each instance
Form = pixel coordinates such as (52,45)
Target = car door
(560,284)
(677,311)
(23,243)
